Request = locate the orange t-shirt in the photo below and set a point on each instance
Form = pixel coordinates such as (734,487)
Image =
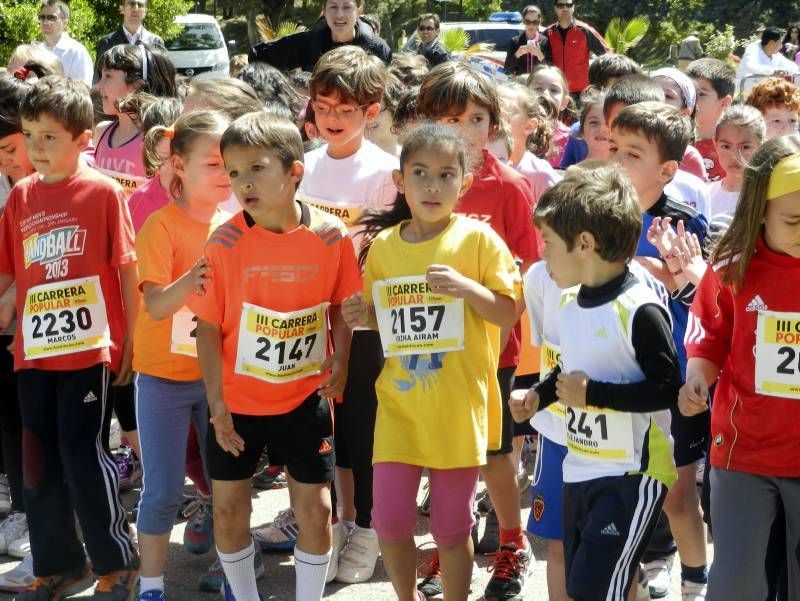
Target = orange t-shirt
(168,245)
(257,278)
(67,240)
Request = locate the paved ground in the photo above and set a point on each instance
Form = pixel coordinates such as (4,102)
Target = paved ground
(278,583)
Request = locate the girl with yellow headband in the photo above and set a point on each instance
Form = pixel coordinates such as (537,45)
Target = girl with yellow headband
(744,327)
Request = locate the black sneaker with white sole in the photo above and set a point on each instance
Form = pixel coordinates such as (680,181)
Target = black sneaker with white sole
(511,571)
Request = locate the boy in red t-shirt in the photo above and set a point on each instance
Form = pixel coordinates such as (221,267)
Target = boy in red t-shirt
(66,239)
(279,272)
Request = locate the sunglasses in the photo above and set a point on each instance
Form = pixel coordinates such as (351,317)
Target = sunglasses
(529,22)
(426,28)
(51,18)
(564,5)
(136,4)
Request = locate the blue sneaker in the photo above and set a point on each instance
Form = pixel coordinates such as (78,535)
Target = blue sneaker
(152,595)
(198,534)
(227,593)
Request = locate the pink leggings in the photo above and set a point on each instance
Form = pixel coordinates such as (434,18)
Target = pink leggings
(394,497)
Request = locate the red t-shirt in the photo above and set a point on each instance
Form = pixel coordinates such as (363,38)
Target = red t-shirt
(502,198)
(74,229)
(288,273)
(708,150)
(751,431)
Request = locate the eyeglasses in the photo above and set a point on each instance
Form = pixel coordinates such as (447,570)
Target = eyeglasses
(341,110)
(529,22)
(426,28)
(51,18)
(564,5)
(136,4)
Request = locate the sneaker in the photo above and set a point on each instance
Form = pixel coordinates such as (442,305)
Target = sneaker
(490,542)
(55,588)
(338,541)
(642,592)
(271,477)
(20,578)
(357,561)
(693,591)
(473,533)
(528,457)
(657,573)
(523,482)
(431,574)
(227,593)
(152,595)
(5,496)
(280,535)
(485,503)
(13,528)
(212,580)
(120,585)
(130,473)
(198,534)
(700,472)
(425,507)
(511,571)
(21,547)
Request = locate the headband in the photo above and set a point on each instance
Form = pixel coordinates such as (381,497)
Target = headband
(169,132)
(144,61)
(22,73)
(785,177)
(684,83)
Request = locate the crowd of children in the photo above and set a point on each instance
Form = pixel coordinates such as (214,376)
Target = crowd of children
(331,269)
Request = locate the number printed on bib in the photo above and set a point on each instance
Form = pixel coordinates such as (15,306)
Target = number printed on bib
(184,333)
(550,357)
(281,347)
(778,354)
(62,318)
(413,320)
(601,435)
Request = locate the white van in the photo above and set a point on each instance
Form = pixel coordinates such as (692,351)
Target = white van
(199,50)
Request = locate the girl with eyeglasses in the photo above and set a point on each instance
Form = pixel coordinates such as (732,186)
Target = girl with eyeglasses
(524,52)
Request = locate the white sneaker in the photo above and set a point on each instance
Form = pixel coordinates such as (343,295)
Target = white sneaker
(657,573)
(693,591)
(642,592)
(700,472)
(18,579)
(5,496)
(338,541)
(13,528)
(357,561)
(21,547)
(280,535)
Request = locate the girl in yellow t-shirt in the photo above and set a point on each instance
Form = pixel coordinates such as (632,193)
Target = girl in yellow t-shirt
(437,287)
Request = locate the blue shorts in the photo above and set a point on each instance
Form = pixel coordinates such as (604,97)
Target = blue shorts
(547,490)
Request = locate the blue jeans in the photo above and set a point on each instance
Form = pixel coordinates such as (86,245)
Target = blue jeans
(163,411)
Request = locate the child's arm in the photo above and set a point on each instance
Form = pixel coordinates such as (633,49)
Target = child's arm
(524,404)
(8,305)
(130,303)
(693,396)
(655,352)
(209,353)
(497,308)
(333,385)
(163,301)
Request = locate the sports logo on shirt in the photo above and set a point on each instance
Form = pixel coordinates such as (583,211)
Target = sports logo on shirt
(538,508)
(757,304)
(54,245)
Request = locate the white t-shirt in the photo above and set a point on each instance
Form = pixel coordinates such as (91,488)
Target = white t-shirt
(690,190)
(347,187)
(721,200)
(75,58)
(5,190)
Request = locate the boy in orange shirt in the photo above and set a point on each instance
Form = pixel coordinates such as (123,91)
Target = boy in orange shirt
(279,271)
(66,239)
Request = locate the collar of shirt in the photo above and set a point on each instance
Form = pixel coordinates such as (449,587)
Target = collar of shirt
(135,36)
(61,44)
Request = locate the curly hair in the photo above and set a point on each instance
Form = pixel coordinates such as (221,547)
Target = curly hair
(774,91)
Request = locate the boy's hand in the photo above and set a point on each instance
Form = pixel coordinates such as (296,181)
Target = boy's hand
(333,385)
(571,388)
(199,275)
(227,438)
(661,235)
(355,311)
(125,373)
(693,396)
(523,404)
(443,279)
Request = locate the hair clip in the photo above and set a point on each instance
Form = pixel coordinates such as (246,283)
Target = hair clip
(169,132)
(22,73)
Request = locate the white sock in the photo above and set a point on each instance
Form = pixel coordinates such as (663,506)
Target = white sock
(151,584)
(349,525)
(238,568)
(310,572)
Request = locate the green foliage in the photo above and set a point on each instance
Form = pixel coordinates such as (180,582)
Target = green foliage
(476,10)
(18,25)
(268,31)
(621,35)
(455,40)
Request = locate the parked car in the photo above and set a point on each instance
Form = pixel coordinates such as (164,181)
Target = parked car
(199,50)
(499,35)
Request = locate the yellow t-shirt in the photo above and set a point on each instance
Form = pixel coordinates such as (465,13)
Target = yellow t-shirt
(439,407)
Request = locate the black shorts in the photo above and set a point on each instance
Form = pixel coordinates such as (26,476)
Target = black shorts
(690,435)
(123,400)
(505,377)
(302,440)
(607,524)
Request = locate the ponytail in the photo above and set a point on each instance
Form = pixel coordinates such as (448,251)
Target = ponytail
(375,222)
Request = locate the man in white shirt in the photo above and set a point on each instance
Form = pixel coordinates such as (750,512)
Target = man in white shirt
(765,59)
(53,19)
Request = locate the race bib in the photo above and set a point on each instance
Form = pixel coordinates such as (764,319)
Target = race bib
(413,320)
(599,434)
(62,318)
(128,182)
(184,333)
(346,212)
(281,347)
(778,354)
(550,358)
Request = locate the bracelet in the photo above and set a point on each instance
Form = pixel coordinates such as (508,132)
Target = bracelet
(674,273)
